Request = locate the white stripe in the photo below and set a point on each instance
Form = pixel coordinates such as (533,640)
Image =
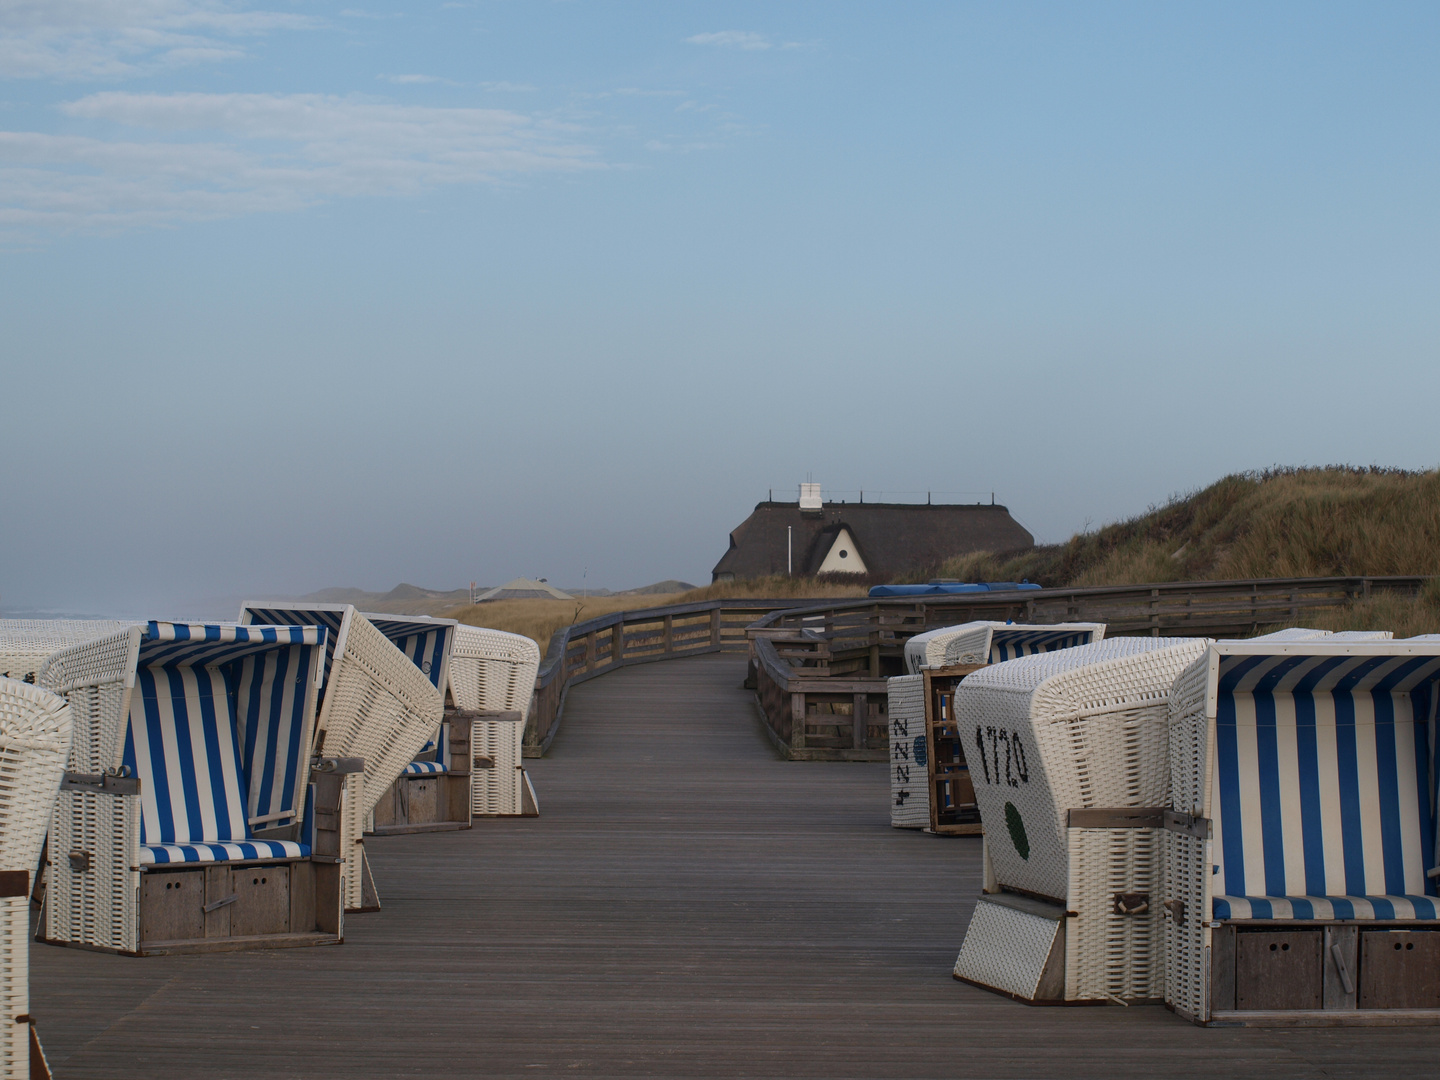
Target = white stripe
(1328,764)
(1250,814)
(1373,838)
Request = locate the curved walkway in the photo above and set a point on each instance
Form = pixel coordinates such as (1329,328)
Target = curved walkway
(688,905)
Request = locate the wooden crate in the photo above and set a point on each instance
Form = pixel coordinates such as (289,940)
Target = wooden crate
(953,811)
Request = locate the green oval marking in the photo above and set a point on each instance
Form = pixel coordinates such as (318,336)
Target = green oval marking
(1017,830)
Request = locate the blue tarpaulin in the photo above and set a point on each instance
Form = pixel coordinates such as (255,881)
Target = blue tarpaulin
(941,588)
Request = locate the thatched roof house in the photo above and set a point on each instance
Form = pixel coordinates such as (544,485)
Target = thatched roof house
(878,539)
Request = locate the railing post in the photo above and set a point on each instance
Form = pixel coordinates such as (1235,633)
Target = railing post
(590,651)
(862,719)
(617,642)
(669,633)
(715,627)
(797,721)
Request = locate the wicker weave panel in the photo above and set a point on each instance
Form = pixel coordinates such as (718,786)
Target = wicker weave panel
(1081,727)
(490,669)
(1189,735)
(1187,871)
(354,816)
(909,782)
(97,672)
(34,743)
(1109,955)
(378,706)
(95,907)
(496,791)
(1006,949)
(14,986)
(25,643)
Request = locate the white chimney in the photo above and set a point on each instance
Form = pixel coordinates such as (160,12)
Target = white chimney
(809,496)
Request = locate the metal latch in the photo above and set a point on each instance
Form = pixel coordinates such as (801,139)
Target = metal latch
(338,764)
(484,761)
(115,782)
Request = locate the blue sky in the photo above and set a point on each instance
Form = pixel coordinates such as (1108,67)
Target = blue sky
(299,294)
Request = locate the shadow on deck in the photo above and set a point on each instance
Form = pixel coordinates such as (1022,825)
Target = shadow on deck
(688,905)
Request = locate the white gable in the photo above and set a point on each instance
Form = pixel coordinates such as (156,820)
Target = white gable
(842,558)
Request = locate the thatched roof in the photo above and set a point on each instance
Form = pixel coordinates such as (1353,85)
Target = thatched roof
(890,538)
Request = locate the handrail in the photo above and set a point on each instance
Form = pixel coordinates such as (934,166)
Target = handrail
(1199,608)
(1211,608)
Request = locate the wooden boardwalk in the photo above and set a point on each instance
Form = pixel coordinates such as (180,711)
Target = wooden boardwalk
(688,905)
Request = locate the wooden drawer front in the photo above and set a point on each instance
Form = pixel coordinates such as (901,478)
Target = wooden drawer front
(1399,969)
(172,905)
(1279,969)
(423,800)
(385,807)
(263,900)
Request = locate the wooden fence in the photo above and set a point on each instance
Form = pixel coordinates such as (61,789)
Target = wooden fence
(826,662)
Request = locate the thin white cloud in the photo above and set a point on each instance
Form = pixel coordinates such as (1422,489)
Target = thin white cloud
(407,80)
(736,39)
(503,87)
(111,39)
(191,157)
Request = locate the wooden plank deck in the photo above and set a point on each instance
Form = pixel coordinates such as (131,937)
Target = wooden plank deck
(688,905)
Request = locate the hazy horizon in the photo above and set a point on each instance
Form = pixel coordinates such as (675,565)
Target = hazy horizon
(308,295)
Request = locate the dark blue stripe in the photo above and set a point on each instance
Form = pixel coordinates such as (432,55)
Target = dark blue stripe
(1235,668)
(214,768)
(1227,771)
(1422,707)
(1312,830)
(253,719)
(1387,769)
(1272,825)
(154,739)
(1350,809)
(1344,909)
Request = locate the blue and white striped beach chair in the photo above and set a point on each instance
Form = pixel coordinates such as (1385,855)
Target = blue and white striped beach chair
(1301,845)
(382,701)
(182,823)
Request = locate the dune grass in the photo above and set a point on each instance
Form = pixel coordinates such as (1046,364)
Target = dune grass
(1321,522)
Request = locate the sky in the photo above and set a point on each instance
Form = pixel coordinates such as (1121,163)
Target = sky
(295,295)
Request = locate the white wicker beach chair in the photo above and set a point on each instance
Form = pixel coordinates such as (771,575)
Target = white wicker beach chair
(381,702)
(25,643)
(1300,633)
(952,646)
(1300,850)
(1070,772)
(182,823)
(993,642)
(494,672)
(34,741)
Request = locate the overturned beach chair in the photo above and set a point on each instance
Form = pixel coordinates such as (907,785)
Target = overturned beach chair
(1300,860)
(182,823)
(381,702)
(1070,772)
(34,743)
(492,675)
(25,643)
(929,782)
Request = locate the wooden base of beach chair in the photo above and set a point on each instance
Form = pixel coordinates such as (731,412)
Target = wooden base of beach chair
(428,802)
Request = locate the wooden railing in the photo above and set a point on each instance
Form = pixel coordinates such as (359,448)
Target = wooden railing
(624,638)
(819,672)
(844,702)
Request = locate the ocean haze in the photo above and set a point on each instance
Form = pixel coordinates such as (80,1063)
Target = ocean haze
(294,298)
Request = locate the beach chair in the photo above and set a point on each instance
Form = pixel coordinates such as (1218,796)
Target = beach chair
(1070,773)
(929,781)
(182,823)
(34,742)
(382,701)
(1300,856)
(993,642)
(492,677)
(25,643)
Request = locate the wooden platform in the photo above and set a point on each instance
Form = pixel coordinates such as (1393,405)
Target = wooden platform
(688,905)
